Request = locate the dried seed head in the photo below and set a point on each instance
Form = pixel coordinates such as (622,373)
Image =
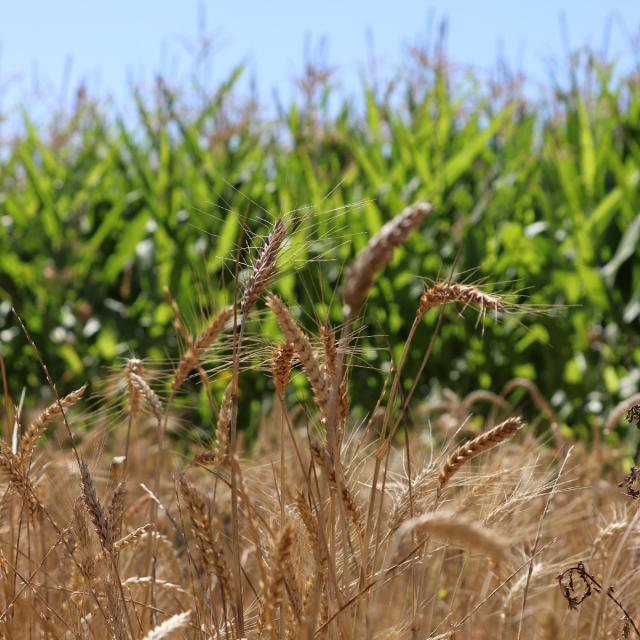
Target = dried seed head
(302,346)
(93,506)
(11,468)
(115,513)
(168,628)
(31,436)
(150,396)
(264,268)
(359,276)
(445,293)
(454,530)
(133,366)
(281,364)
(469,450)
(194,353)
(330,350)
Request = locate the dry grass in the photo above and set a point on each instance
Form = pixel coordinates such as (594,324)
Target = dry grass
(331,530)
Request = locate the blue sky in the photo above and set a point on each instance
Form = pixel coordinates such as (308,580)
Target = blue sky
(110,43)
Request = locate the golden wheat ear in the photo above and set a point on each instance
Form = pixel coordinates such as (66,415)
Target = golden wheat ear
(360,274)
(264,267)
(302,347)
(471,449)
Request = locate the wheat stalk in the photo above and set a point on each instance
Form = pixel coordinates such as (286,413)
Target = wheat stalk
(222,427)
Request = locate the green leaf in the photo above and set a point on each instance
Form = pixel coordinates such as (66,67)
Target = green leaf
(587,149)
(627,247)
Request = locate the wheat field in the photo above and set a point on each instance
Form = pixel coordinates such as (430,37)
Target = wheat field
(474,524)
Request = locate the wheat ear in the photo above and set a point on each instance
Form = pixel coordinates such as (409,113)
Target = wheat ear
(212,555)
(31,436)
(167,628)
(150,396)
(11,468)
(455,531)
(302,346)
(281,363)
(93,506)
(115,513)
(379,251)
(264,267)
(445,293)
(191,359)
(468,450)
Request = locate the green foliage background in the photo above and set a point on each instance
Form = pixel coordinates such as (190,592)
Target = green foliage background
(100,212)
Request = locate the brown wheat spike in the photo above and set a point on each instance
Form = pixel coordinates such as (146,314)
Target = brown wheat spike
(379,251)
(169,627)
(330,350)
(115,513)
(10,467)
(83,541)
(445,293)
(484,441)
(129,540)
(204,459)
(455,531)
(93,506)
(302,346)
(273,590)
(343,406)
(281,364)
(150,396)
(212,555)
(194,353)
(134,366)
(264,267)
(31,436)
